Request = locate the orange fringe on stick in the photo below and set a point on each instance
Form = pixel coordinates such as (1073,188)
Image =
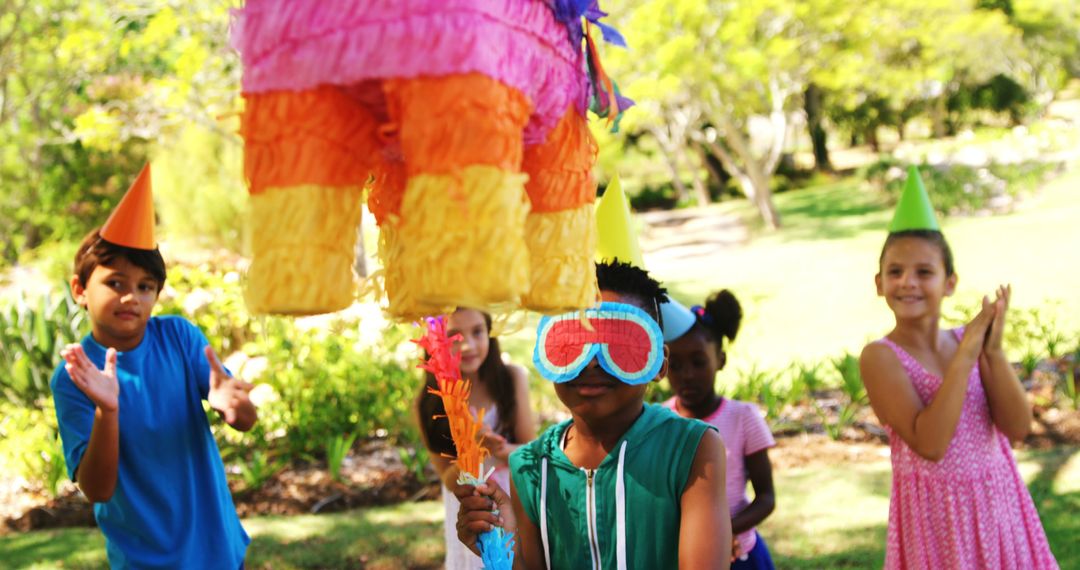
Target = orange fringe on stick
(454,390)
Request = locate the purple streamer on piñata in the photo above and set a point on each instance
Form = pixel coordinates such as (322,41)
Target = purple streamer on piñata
(574,13)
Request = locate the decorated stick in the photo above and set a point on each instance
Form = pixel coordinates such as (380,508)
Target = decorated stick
(496,546)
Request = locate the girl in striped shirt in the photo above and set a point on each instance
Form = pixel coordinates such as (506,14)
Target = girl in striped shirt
(695,338)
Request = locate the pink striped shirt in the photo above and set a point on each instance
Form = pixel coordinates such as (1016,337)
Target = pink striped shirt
(744,432)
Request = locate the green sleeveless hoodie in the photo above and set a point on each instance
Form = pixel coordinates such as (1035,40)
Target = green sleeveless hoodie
(623,514)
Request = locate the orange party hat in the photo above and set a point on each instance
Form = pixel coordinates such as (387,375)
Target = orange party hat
(132,222)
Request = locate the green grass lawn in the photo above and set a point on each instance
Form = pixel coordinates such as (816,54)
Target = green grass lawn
(828,516)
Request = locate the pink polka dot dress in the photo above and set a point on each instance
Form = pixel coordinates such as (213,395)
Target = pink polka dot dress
(969,510)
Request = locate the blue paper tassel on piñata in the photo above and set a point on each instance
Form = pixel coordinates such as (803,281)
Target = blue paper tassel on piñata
(496,549)
(496,546)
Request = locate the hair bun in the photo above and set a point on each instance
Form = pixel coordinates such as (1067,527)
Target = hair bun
(722,314)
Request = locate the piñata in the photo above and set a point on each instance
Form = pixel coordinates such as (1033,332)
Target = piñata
(466,119)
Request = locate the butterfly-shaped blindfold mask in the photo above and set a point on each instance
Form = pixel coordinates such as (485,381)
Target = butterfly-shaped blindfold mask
(626,340)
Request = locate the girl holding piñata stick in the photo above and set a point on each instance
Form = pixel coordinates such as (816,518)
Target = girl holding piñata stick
(467,377)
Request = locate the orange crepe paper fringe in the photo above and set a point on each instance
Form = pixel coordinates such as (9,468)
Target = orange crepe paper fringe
(445,364)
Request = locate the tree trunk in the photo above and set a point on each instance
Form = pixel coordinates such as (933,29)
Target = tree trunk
(753,173)
(701,193)
(872,139)
(669,150)
(812,104)
(763,195)
(716,169)
(676,180)
(751,178)
(937,114)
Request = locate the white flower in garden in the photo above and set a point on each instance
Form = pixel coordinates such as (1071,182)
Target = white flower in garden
(263,394)
(168,292)
(197,300)
(232,277)
(235,361)
(253,369)
(371,326)
(406,355)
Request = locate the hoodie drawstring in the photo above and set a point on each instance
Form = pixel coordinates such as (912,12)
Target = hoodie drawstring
(620,511)
(543,511)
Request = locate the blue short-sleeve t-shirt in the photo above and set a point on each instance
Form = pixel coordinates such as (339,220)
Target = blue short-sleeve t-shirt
(171,507)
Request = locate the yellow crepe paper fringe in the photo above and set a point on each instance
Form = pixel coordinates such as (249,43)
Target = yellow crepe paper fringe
(401,299)
(460,240)
(302,243)
(561,269)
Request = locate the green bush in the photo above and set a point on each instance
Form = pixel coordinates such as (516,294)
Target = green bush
(199,186)
(326,384)
(654,198)
(851,384)
(30,445)
(1070,380)
(1031,333)
(213,299)
(337,448)
(806,379)
(958,188)
(259,468)
(32,332)
(761,386)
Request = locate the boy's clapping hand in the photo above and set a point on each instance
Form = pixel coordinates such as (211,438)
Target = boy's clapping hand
(98,385)
(482,509)
(228,395)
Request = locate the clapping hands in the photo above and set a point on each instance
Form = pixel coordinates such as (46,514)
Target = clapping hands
(993,345)
(100,386)
(983,334)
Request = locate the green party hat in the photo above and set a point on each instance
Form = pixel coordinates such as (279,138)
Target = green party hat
(914,211)
(617,238)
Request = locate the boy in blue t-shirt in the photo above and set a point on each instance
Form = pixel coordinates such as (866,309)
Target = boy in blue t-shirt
(136,437)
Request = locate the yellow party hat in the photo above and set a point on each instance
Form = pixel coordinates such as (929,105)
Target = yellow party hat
(617,238)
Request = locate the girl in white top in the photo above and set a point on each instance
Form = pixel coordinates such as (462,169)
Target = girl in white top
(500,388)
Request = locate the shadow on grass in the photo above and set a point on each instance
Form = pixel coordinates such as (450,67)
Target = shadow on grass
(398,537)
(353,539)
(836,211)
(67,548)
(1057,510)
(864,557)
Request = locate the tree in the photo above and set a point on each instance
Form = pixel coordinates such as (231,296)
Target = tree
(88,90)
(733,66)
(930,51)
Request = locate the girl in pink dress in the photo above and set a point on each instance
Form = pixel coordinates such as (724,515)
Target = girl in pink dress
(950,402)
(695,339)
